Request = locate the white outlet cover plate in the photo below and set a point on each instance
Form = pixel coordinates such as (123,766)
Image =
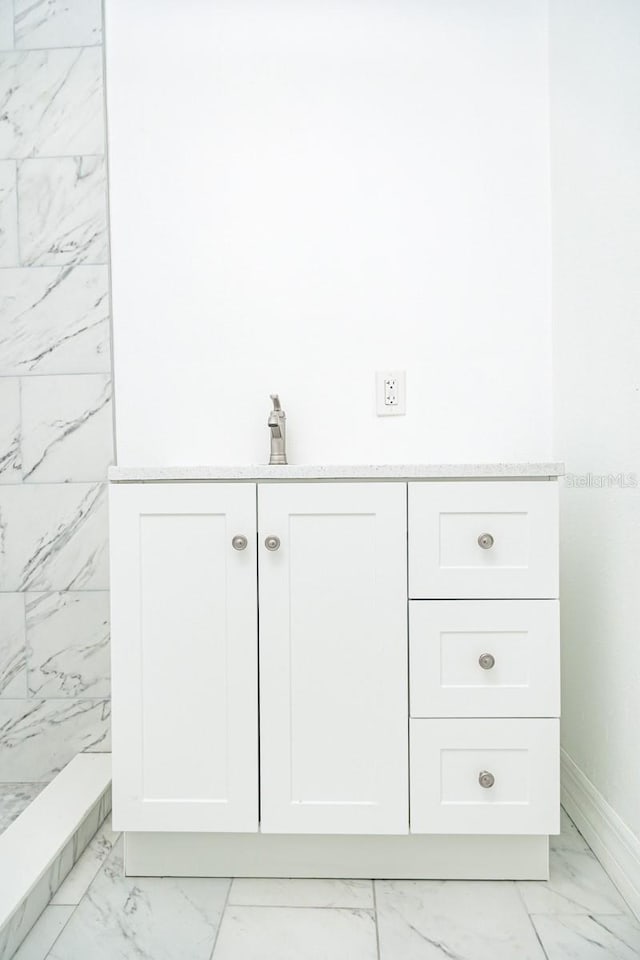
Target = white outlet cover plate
(398,409)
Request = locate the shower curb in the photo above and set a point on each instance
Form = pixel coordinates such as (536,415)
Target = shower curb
(38,850)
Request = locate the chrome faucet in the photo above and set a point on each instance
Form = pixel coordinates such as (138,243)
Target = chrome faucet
(278,425)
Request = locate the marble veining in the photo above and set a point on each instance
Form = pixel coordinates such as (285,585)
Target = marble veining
(421,919)
(68,644)
(588,937)
(54,320)
(57,23)
(138,917)
(577,884)
(14,798)
(10,429)
(67,428)
(53,537)
(96,853)
(279,919)
(338,472)
(38,737)
(13,660)
(51,103)
(43,845)
(8,214)
(62,211)
(55,390)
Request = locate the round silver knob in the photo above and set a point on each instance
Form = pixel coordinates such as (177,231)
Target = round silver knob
(272,543)
(239,542)
(487,661)
(485,540)
(486,779)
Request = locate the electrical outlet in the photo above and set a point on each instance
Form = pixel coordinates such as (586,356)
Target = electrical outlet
(391,393)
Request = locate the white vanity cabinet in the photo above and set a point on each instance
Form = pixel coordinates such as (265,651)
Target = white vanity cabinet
(330,560)
(335,674)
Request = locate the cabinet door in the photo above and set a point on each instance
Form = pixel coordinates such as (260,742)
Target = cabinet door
(184,655)
(333,658)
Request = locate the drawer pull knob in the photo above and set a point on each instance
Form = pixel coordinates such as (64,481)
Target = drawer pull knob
(485,540)
(272,543)
(239,542)
(486,779)
(487,661)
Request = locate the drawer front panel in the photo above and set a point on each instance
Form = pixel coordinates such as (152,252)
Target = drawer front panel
(484,658)
(483,539)
(520,763)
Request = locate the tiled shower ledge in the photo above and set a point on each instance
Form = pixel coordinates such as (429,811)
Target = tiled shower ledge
(302,471)
(39,849)
(14,799)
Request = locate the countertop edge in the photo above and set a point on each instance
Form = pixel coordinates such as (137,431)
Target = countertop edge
(450,471)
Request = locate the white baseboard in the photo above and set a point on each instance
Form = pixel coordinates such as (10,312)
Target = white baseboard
(616,847)
(416,856)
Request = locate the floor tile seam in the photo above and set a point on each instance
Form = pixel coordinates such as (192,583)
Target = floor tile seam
(301,906)
(62,928)
(530,920)
(221,920)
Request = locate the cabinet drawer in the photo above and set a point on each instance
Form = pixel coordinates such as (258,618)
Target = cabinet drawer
(484,658)
(483,539)
(521,759)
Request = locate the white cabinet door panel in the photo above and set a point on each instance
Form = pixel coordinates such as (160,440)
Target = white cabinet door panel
(447,521)
(333,658)
(484,658)
(184,653)
(522,757)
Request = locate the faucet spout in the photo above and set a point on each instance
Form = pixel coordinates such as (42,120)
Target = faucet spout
(277,425)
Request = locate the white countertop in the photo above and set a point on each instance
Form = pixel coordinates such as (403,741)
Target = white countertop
(303,471)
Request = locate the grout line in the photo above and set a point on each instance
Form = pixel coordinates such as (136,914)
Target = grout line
(39,697)
(20,429)
(49,593)
(57,156)
(93,879)
(529,917)
(76,373)
(71,265)
(18,244)
(26,647)
(375,918)
(64,925)
(297,906)
(537,936)
(54,483)
(107,182)
(222,913)
(54,49)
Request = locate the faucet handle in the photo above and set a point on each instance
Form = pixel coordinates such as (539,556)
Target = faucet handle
(276,401)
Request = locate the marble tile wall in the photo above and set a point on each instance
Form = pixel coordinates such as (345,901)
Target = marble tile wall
(55,388)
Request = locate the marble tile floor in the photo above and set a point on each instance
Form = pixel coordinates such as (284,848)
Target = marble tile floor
(98,914)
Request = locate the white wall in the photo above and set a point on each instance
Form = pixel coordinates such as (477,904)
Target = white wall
(595,88)
(303,193)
